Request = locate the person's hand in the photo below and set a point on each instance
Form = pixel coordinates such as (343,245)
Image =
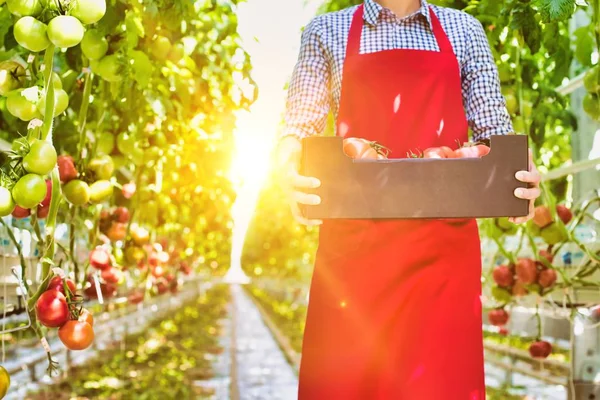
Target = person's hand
(288,164)
(531,177)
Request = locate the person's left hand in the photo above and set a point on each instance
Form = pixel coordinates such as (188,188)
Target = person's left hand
(531,177)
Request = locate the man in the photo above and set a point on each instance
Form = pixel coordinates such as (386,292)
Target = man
(395,309)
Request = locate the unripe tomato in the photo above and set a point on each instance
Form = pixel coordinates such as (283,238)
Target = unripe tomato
(94,45)
(31,34)
(4,382)
(76,192)
(109,68)
(12,77)
(22,108)
(7,204)
(161,46)
(100,191)
(61,102)
(22,8)
(29,191)
(102,167)
(65,31)
(41,158)
(88,11)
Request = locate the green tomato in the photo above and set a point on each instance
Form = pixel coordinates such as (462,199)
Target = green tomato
(65,31)
(29,191)
(109,68)
(61,103)
(177,52)
(591,105)
(527,108)
(22,108)
(31,34)
(56,81)
(7,204)
(119,160)
(12,77)
(41,158)
(100,191)
(591,80)
(137,156)
(94,45)
(501,295)
(76,192)
(511,104)
(102,167)
(125,143)
(88,11)
(152,154)
(160,48)
(105,143)
(22,8)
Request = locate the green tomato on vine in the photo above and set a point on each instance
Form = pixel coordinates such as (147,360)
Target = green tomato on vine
(29,191)
(94,45)
(88,11)
(61,102)
(22,8)
(22,106)
(12,76)
(31,34)
(7,204)
(65,31)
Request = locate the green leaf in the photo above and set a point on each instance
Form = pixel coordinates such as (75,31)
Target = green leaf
(47,261)
(523,19)
(556,10)
(133,24)
(584,45)
(142,68)
(5,22)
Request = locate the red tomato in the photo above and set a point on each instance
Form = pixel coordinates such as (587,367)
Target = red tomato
(121,214)
(361,148)
(162,287)
(100,258)
(111,275)
(42,212)
(66,168)
(117,231)
(46,201)
(56,283)
(136,297)
(51,309)
(20,212)
(76,335)
(434,152)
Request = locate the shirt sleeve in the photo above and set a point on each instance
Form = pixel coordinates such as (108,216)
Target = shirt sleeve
(308,100)
(484,103)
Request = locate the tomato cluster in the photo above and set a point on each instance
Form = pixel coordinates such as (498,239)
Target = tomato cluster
(93,186)
(359,148)
(59,307)
(548,227)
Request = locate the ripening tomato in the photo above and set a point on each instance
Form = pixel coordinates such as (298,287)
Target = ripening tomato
(88,11)
(12,76)
(20,212)
(57,283)
(359,148)
(4,382)
(66,168)
(94,45)
(100,258)
(51,309)
(65,31)
(29,191)
(22,8)
(7,204)
(102,166)
(117,231)
(61,103)
(86,316)
(111,275)
(41,158)
(21,107)
(76,335)
(48,198)
(100,191)
(31,34)
(76,192)
(140,235)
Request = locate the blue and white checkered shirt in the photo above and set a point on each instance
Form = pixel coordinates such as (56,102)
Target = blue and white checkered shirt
(316,82)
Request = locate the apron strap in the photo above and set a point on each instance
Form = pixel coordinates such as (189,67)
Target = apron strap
(354,36)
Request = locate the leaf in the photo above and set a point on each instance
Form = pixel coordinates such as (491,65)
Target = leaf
(142,68)
(556,10)
(5,22)
(523,19)
(584,45)
(47,261)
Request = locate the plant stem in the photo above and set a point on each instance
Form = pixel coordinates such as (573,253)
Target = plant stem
(85,102)
(49,92)
(72,229)
(13,239)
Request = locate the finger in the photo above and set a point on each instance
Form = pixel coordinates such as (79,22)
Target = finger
(528,194)
(528,176)
(305,198)
(301,218)
(303,182)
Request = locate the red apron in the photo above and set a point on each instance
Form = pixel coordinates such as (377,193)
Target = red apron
(394,308)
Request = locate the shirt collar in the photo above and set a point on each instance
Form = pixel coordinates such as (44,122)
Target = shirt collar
(373,9)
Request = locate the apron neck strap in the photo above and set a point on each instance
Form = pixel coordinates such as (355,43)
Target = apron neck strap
(353,46)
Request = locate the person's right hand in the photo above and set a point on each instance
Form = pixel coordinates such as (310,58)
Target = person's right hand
(288,163)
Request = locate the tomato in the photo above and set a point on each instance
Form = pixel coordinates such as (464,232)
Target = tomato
(19,106)
(519,125)
(76,192)
(86,316)
(46,201)
(128,190)
(109,68)
(12,77)
(100,258)
(591,105)
(4,382)
(76,335)
(105,144)
(111,275)
(591,80)
(7,204)
(434,152)
(88,11)
(134,254)
(61,103)
(57,283)
(360,148)
(136,297)
(472,151)
(29,191)
(65,31)
(100,191)
(102,167)
(177,52)
(51,309)
(42,212)
(140,235)
(20,212)
(125,142)
(66,168)
(56,82)
(160,48)
(117,231)
(31,34)
(162,287)
(137,155)
(22,8)
(41,158)
(511,104)
(121,214)
(94,45)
